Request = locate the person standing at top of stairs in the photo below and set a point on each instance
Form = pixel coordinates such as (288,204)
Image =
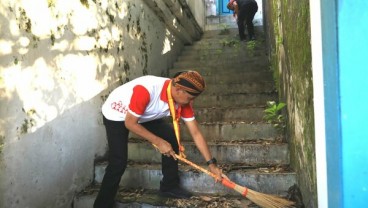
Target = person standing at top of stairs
(139,106)
(244,10)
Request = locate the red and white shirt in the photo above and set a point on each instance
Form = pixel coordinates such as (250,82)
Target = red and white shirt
(144,97)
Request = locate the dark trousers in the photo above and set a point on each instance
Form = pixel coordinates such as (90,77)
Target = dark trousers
(247,10)
(117,137)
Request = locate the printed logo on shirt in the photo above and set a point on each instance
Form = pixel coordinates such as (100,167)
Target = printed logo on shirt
(119,107)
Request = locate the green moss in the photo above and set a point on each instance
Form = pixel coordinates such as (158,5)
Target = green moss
(85,3)
(126,67)
(24,22)
(111,17)
(28,122)
(2,142)
(51,3)
(290,30)
(52,38)
(16,61)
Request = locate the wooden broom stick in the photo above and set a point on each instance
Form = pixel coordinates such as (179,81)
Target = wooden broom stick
(261,199)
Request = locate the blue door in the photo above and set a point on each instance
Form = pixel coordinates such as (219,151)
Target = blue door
(221,5)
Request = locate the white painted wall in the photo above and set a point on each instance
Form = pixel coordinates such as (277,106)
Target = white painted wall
(58,61)
(258,18)
(198,8)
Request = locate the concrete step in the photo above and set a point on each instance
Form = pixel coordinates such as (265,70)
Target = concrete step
(224,62)
(225,32)
(144,198)
(235,131)
(252,154)
(220,33)
(242,49)
(252,65)
(250,87)
(223,56)
(223,19)
(233,100)
(240,77)
(228,42)
(249,114)
(270,180)
(232,131)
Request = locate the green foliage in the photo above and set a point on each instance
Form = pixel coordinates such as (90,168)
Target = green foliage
(251,46)
(230,43)
(225,29)
(273,114)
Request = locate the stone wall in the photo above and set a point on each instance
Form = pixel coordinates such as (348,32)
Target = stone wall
(58,62)
(287,25)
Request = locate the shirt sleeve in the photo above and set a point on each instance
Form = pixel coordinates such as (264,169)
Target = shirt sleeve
(187,112)
(139,100)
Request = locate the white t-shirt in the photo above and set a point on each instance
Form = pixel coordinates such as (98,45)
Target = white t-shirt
(144,97)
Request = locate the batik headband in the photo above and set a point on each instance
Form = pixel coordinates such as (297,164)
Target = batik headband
(190,81)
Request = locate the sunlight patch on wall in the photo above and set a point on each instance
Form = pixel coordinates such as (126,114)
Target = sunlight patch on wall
(10,78)
(84,43)
(123,11)
(34,85)
(6,47)
(84,19)
(39,12)
(24,43)
(167,46)
(79,74)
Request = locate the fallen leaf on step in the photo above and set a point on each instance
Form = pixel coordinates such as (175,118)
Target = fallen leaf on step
(206,198)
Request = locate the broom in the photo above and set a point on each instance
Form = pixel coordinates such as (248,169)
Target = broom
(261,199)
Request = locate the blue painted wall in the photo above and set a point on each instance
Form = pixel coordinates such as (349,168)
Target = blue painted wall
(353,65)
(332,102)
(345,62)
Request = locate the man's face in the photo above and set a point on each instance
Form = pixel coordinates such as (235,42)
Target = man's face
(184,97)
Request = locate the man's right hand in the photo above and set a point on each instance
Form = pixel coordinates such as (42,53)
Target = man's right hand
(165,148)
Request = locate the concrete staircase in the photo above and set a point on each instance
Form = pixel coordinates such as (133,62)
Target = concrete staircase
(251,152)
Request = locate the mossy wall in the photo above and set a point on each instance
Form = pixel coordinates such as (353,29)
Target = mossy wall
(287,24)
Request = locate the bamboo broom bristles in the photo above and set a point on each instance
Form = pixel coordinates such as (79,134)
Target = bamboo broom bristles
(261,199)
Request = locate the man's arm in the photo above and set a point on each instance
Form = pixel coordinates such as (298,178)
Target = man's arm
(131,123)
(202,146)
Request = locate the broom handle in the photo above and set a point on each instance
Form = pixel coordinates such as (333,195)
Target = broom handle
(196,166)
(226,182)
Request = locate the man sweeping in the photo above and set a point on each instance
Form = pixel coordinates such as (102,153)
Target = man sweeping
(139,106)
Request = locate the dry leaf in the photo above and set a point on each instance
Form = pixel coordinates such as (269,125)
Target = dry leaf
(206,198)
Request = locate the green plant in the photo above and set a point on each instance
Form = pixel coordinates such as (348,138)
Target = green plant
(230,43)
(225,29)
(251,46)
(273,114)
